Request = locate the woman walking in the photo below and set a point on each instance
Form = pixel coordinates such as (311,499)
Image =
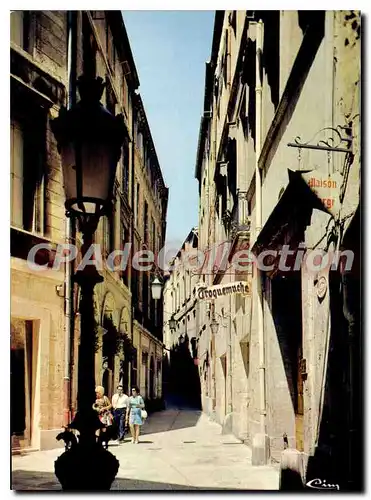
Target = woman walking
(134,414)
(102,405)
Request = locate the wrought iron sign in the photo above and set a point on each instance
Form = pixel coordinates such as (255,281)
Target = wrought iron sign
(337,138)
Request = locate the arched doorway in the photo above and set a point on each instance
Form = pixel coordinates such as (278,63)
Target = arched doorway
(125,350)
(108,355)
(109,344)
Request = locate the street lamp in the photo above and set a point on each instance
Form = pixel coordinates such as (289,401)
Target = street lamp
(89,140)
(172,324)
(156,288)
(214,325)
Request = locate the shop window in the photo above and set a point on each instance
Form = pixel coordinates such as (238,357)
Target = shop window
(22,378)
(134,368)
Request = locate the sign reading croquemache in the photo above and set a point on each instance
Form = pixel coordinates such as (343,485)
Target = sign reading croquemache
(213,292)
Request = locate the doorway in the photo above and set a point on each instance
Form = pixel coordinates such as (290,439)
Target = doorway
(152,378)
(22,381)
(287,315)
(109,346)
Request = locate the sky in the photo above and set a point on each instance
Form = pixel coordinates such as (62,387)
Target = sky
(170,49)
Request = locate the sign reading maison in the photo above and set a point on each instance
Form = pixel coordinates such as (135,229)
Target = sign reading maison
(323,188)
(213,292)
(326,188)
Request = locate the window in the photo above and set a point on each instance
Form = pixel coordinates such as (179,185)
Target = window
(232,20)
(27,174)
(89,49)
(145,222)
(145,295)
(140,142)
(16,158)
(111,53)
(153,236)
(137,203)
(17,27)
(145,154)
(110,97)
(243,114)
(125,95)
(125,169)
(143,375)
(124,239)
(225,63)
(156,314)
(109,233)
(134,368)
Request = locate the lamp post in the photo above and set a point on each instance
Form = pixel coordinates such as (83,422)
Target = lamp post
(89,141)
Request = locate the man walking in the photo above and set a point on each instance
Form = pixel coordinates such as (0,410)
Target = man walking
(119,405)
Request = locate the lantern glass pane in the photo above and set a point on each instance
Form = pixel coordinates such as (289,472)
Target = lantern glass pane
(96,181)
(69,171)
(91,181)
(156,290)
(214,327)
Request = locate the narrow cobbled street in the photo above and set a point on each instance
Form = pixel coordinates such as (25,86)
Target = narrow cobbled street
(178,450)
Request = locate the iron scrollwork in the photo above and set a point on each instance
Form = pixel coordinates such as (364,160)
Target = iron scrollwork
(333,142)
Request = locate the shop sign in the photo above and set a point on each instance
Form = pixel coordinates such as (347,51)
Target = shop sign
(216,291)
(326,188)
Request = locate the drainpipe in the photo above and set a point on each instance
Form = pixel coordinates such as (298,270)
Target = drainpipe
(260,456)
(68,299)
(230,406)
(132,174)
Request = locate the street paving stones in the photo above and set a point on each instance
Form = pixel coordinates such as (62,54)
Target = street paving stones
(178,450)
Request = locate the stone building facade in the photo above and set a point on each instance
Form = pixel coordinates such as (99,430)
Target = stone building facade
(180,305)
(149,202)
(180,294)
(44,373)
(277,80)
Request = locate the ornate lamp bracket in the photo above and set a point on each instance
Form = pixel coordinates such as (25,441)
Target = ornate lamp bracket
(338,140)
